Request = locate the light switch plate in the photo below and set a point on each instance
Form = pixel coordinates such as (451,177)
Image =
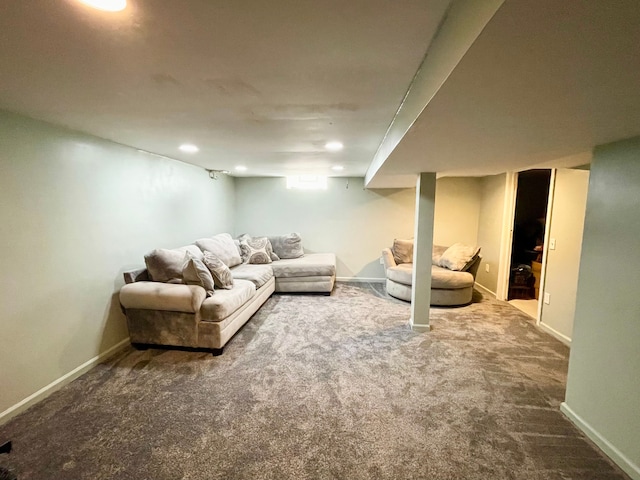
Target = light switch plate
(547,298)
(552,244)
(486,267)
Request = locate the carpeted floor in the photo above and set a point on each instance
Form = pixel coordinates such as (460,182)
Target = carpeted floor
(317,387)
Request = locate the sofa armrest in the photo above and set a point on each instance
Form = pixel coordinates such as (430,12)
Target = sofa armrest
(387,258)
(162,296)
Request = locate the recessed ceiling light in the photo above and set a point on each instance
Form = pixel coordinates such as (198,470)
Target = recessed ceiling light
(188,148)
(334,146)
(241,168)
(107,5)
(337,168)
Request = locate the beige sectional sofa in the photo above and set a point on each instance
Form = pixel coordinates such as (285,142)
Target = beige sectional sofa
(172,313)
(451,282)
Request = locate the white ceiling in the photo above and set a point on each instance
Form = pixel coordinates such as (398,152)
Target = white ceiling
(251,82)
(545,80)
(267,84)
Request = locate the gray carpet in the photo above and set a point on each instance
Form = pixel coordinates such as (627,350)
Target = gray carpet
(317,387)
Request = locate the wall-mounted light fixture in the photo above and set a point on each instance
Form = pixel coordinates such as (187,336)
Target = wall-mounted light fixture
(213,174)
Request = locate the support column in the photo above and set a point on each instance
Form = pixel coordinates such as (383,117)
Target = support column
(423,251)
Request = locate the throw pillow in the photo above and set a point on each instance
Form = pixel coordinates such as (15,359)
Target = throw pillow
(402,251)
(164,265)
(258,253)
(195,272)
(222,277)
(245,252)
(287,246)
(223,247)
(458,256)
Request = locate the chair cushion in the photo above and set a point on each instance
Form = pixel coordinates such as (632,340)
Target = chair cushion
(311,265)
(440,277)
(443,278)
(258,274)
(401,273)
(402,251)
(224,302)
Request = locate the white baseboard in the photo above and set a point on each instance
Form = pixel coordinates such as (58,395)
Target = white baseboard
(484,289)
(611,451)
(554,333)
(57,384)
(360,279)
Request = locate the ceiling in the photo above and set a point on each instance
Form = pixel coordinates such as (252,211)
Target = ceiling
(532,83)
(544,80)
(256,83)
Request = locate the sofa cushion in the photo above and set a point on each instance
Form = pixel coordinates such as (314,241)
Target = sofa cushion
(195,272)
(165,265)
(401,273)
(224,302)
(258,274)
(458,256)
(443,278)
(314,264)
(438,250)
(223,247)
(287,246)
(402,251)
(222,277)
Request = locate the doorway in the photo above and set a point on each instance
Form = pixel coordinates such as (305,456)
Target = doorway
(527,247)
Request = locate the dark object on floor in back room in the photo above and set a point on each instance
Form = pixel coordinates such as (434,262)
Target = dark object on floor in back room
(4,473)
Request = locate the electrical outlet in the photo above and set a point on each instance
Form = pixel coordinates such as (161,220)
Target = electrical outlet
(552,244)
(547,298)
(486,267)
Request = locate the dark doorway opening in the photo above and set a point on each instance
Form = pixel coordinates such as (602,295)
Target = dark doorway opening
(532,199)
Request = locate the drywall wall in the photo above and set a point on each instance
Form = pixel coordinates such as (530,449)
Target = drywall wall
(354,223)
(457,210)
(75,212)
(603,385)
(490,226)
(563,262)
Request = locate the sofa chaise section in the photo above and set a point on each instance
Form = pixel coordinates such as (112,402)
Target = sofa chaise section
(314,272)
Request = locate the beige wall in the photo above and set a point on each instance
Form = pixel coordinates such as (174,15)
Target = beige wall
(603,386)
(457,210)
(354,223)
(563,263)
(75,212)
(490,226)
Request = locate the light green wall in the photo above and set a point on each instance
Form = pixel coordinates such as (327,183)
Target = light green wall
(603,388)
(354,223)
(75,212)
(490,228)
(563,263)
